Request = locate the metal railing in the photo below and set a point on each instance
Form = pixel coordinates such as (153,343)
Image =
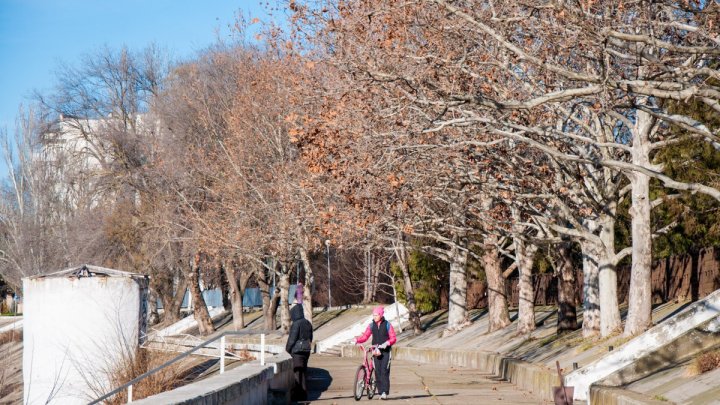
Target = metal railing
(129,385)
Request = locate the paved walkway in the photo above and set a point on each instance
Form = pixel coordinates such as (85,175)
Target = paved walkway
(330,381)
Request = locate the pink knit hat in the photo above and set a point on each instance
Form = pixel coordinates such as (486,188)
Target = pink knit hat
(379,310)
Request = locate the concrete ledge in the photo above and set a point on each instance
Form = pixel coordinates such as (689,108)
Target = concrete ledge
(600,395)
(247,384)
(528,376)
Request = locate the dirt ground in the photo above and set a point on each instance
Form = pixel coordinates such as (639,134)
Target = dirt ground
(11,379)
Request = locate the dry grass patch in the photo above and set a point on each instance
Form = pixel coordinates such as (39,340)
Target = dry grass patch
(614,339)
(11,371)
(131,367)
(11,336)
(173,376)
(705,362)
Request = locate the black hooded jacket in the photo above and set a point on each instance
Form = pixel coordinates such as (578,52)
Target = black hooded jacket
(301,328)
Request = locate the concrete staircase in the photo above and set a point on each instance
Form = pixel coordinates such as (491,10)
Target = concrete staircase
(334,350)
(396,314)
(703,314)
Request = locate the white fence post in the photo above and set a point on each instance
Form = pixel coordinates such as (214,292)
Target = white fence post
(129,393)
(222,354)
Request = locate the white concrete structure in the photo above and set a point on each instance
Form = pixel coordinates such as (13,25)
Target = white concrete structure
(695,315)
(79,324)
(394,313)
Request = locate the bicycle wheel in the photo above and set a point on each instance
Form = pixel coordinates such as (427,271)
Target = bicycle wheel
(359,383)
(372,387)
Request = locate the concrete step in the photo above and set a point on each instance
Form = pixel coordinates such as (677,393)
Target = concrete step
(333,351)
(206,352)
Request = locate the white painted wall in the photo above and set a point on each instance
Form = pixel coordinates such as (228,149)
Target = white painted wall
(345,336)
(696,314)
(76,330)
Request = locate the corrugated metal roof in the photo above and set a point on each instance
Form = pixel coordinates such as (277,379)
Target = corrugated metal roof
(87,270)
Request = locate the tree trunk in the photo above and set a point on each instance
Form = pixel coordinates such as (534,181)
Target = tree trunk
(268,316)
(525,255)
(200,310)
(401,256)
(225,290)
(236,296)
(309,285)
(498,315)
(269,302)
(591,289)
(284,283)
(244,280)
(639,316)
(607,279)
(396,305)
(153,316)
(567,312)
(271,313)
(367,270)
(374,278)
(457,297)
(171,313)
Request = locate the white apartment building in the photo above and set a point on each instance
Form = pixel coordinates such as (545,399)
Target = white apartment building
(80,153)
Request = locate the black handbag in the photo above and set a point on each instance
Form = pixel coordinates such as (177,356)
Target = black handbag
(301,346)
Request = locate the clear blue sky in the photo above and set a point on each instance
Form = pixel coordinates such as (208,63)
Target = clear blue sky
(36,35)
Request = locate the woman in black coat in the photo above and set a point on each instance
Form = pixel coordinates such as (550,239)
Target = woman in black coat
(298,345)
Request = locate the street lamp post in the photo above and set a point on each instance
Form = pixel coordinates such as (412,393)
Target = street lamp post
(327,244)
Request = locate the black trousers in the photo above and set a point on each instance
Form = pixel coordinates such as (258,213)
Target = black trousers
(299,390)
(382,372)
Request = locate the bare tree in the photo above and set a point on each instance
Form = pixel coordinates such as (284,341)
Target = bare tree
(583,84)
(32,214)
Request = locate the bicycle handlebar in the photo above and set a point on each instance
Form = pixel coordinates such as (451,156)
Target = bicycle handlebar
(368,349)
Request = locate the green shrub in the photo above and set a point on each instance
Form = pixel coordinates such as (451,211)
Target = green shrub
(428,275)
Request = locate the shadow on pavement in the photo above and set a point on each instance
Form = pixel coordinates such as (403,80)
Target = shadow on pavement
(318,380)
(312,397)
(309,401)
(403,397)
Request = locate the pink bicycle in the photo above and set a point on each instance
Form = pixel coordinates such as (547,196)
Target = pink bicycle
(365,376)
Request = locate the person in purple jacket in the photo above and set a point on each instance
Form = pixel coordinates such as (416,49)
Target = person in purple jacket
(299,290)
